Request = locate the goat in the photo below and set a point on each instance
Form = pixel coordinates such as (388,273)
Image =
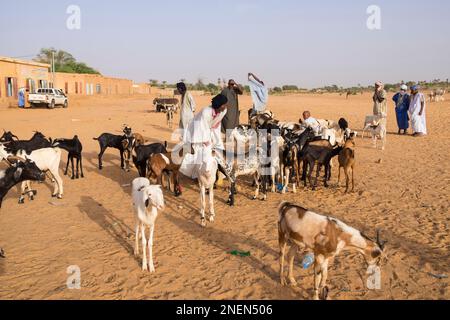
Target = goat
(158,164)
(142,153)
(129,144)
(324,236)
(320,152)
(8,137)
(347,161)
(47,159)
(19,170)
(74,148)
(207,174)
(170,115)
(290,159)
(378,130)
(38,141)
(108,140)
(145,196)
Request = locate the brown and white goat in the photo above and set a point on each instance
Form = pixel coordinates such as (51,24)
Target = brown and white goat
(159,164)
(347,161)
(326,237)
(128,145)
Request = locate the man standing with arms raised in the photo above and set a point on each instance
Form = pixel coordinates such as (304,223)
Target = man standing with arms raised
(231,120)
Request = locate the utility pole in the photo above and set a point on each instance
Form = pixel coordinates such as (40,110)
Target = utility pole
(53,68)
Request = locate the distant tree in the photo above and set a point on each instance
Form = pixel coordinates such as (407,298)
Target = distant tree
(64,61)
(277,90)
(290,88)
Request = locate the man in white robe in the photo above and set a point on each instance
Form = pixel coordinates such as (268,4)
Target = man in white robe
(204,134)
(417,112)
(187,107)
(311,122)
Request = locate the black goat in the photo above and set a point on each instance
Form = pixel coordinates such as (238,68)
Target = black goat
(74,148)
(108,140)
(8,137)
(18,172)
(38,141)
(320,152)
(142,153)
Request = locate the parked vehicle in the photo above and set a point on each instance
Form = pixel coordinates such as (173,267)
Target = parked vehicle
(163,104)
(48,97)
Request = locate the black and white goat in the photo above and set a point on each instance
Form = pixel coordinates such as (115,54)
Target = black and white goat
(74,149)
(19,171)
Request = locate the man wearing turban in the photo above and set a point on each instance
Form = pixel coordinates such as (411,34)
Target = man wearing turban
(204,134)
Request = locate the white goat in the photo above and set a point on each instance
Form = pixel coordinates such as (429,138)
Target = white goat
(47,159)
(378,130)
(207,174)
(144,196)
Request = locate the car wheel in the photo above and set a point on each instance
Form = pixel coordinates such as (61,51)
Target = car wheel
(52,105)
(66,104)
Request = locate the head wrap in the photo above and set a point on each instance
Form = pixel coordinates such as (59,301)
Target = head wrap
(219,101)
(379,83)
(181,86)
(404,87)
(415,87)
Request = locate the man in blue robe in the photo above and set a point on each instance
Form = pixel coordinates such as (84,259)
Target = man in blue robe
(21,98)
(402,101)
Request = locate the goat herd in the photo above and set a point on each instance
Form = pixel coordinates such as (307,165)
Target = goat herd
(299,150)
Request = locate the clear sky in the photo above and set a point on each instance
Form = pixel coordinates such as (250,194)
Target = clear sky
(307,43)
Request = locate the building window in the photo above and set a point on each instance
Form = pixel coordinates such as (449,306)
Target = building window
(98,89)
(42,84)
(11,87)
(66,87)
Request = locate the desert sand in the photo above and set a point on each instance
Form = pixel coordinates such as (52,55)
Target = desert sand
(406,194)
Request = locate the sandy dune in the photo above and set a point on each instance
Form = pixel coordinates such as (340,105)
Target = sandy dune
(406,195)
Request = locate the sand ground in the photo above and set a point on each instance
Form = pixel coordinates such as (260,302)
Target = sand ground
(406,195)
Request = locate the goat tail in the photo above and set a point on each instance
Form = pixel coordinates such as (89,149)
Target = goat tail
(96,139)
(282,209)
(166,144)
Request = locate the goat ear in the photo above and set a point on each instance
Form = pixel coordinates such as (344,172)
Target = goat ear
(147,203)
(141,188)
(18,174)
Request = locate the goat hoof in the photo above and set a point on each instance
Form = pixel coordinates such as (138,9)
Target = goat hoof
(324,293)
(293,283)
(2,253)
(145,268)
(283,282)
(60,196)
(211,219)
(73,178)
(21,201)
(203,223)
(152,269)
(32,198)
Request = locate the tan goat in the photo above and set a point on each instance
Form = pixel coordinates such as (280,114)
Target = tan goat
(324,236)
(347,161)
(158,164)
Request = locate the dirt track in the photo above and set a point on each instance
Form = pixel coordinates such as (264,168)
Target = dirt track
(406,195)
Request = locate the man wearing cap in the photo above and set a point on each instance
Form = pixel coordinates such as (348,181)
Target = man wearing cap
(402,102)
(379,101)
(231,119)
(417,112)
